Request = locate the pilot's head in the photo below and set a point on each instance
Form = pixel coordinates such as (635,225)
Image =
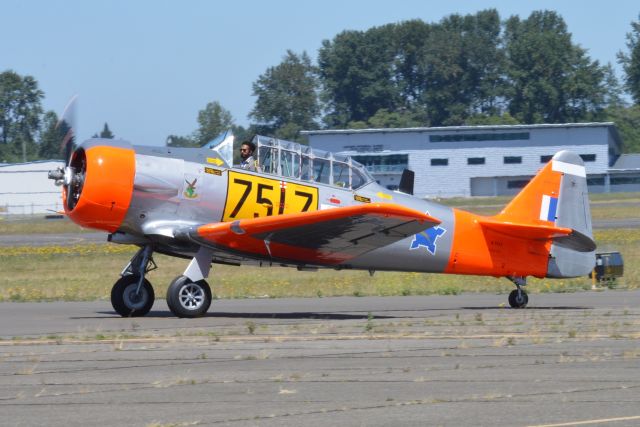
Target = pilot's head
(246,149)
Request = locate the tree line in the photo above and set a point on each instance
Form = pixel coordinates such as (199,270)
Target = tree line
(474,69)
(26,131)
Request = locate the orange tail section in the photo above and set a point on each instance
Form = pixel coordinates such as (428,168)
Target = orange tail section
(544,231)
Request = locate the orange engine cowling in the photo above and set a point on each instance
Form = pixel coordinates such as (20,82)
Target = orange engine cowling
(100,191)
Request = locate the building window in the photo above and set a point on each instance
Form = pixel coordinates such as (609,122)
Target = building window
(439,162)
(384,163)
(475,160)
(622,180)
(519,183)
(595,181)
(545,159)
(461,137)
(588,157)
(511,160)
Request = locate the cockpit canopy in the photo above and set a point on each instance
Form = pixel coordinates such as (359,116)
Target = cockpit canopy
(292,160)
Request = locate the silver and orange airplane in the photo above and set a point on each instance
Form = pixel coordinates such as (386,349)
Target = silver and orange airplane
(310,209)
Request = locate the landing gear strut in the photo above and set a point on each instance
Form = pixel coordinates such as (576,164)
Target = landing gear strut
(518,298)
(132,295)
(188,295)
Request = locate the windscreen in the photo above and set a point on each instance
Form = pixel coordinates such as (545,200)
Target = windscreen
(223,145)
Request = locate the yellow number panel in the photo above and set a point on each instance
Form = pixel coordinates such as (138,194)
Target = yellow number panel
(250,196)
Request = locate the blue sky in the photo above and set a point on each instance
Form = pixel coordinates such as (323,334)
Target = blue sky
(147,67)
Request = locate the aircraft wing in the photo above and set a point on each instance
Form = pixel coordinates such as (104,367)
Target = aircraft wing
(325,237)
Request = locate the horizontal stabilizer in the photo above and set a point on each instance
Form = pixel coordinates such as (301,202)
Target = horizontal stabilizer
(577,241)
(525,231)
(320,237)
(561,236)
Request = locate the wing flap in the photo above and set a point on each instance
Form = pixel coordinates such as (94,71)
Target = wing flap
(321,237)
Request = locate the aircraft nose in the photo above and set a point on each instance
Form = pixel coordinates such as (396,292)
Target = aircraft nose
(101,186)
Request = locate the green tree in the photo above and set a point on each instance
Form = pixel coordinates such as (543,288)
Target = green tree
(485,120)
(213,120)
(462,68)
(631,61)
(287,97)
(551,80)
(50,144)
(410,44)
(627,120)
(434,74)
(180,141)
(392,119)
(357,70)
(20,113)
(242,134)
(105,133)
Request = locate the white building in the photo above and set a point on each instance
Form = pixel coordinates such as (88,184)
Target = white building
(480,160)
(25,188)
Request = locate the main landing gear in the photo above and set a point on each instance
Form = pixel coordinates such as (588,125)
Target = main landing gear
(189,295)
(132,295)
(518,298)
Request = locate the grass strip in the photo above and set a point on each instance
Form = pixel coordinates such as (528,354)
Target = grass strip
(87,272)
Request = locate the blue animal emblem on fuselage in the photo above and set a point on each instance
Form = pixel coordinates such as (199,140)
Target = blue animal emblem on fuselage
(427,239)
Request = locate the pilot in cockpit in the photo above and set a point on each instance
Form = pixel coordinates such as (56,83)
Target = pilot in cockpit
(246,154)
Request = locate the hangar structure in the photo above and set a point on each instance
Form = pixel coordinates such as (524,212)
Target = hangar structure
(26,190)
(483,160)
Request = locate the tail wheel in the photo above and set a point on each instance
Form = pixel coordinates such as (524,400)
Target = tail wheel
(186,298)
(127,301)
(518,299)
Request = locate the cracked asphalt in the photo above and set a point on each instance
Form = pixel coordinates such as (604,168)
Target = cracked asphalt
(568,359)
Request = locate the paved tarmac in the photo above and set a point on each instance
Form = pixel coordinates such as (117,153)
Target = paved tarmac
(46,239)
(438,360)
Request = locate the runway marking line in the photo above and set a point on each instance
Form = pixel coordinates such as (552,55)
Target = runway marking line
(587,422)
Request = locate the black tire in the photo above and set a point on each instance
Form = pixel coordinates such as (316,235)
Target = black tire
(125,301)
(516,301)
(186,298)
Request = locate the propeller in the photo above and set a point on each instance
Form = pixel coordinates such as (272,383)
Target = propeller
(72,175)
(67,126)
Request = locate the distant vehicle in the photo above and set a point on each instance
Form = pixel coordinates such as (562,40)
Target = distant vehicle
(310,209)
(609,266)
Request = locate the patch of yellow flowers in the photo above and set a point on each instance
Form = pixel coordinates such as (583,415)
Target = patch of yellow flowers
(83,249)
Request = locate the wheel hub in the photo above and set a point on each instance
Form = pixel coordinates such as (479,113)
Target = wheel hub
(191,296)
(134,299)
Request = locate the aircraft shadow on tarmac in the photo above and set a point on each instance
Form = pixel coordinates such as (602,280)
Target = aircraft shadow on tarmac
(528,308)
(293,315)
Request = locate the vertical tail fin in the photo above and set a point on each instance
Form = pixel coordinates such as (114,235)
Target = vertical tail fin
(557,196)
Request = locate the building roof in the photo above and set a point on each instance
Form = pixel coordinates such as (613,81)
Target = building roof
(626,162)
(458,128)
(35,166)
(610,125)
